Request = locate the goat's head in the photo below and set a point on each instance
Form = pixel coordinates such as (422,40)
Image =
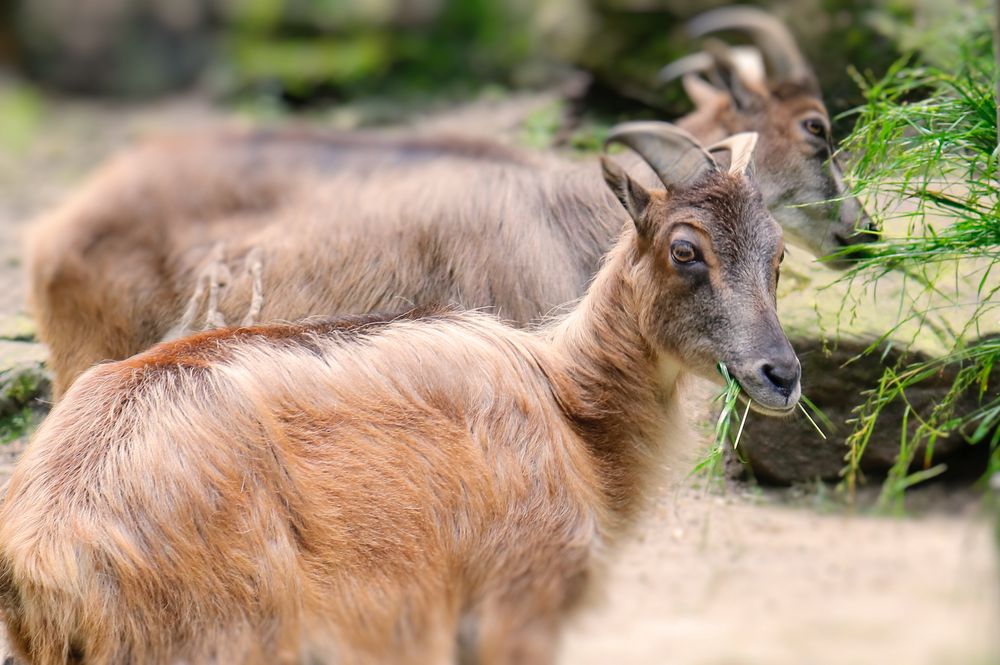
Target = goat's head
(706,261)
(770,89)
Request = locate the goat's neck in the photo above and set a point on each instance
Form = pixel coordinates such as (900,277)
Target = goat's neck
(616,389)
(585,211)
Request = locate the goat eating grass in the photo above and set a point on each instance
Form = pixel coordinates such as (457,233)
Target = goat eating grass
(397,490)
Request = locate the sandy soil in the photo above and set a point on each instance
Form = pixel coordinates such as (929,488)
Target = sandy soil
(742,578)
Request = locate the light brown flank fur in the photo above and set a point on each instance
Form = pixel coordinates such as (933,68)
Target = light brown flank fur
(380,491)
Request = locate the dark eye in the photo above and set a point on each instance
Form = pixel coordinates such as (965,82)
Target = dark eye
(816,127)
(683,252)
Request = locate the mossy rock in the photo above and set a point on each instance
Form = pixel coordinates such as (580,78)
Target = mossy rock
(24,380)
(17,328)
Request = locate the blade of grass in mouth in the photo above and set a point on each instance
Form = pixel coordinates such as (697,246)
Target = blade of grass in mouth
(730,398)
(819,414)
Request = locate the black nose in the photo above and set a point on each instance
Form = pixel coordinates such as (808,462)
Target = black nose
(783,376)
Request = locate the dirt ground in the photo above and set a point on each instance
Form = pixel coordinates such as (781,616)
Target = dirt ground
(740,578)
(745,580)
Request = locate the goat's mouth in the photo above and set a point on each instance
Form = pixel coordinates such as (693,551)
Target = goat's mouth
(768,401)
(859,237)
(849,250)
(771,412)
(768,398)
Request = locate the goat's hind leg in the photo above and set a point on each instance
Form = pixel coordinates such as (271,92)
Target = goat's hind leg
(211,279)
(512,633)
(255,268)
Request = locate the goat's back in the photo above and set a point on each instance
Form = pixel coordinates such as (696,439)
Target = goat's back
(258,495)
(345,223)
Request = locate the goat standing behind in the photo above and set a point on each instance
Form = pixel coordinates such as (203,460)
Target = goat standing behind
(178,236)
(355,491)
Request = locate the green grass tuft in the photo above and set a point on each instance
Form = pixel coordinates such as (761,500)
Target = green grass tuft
(926,161)
(728,431)
(711,464)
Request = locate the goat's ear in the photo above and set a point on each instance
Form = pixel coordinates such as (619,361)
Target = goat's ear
(632,195)
(741,149)
(743,80)
(702,94)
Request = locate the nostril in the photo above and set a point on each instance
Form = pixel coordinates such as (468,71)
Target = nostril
(781,377)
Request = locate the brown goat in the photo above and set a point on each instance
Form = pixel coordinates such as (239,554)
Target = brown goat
(174,236)
(381,491)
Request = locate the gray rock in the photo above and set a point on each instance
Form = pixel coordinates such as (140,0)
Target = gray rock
(784,451)
(119,47)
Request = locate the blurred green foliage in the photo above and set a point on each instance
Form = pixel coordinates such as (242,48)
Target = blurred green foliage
(302,50)
(294,53)
(21,116)
(541,127)
(17,425)
(300,65)
(22,390)
(333,49)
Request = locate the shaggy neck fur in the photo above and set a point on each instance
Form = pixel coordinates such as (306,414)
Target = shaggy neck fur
(620,392)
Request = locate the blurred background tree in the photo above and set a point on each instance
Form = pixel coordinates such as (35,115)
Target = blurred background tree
(309,52)
(113,47)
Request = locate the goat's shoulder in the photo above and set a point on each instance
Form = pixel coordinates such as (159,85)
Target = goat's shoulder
(321,336)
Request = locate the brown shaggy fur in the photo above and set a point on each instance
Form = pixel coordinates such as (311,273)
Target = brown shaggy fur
(369,491)
(157,245)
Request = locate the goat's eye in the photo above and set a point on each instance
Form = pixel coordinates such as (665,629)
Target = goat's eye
(815,126)
(683,252)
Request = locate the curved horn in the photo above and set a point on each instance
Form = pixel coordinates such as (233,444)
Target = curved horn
(784,60)
(695,63)
(747,60)
(676,156)
(741,148)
